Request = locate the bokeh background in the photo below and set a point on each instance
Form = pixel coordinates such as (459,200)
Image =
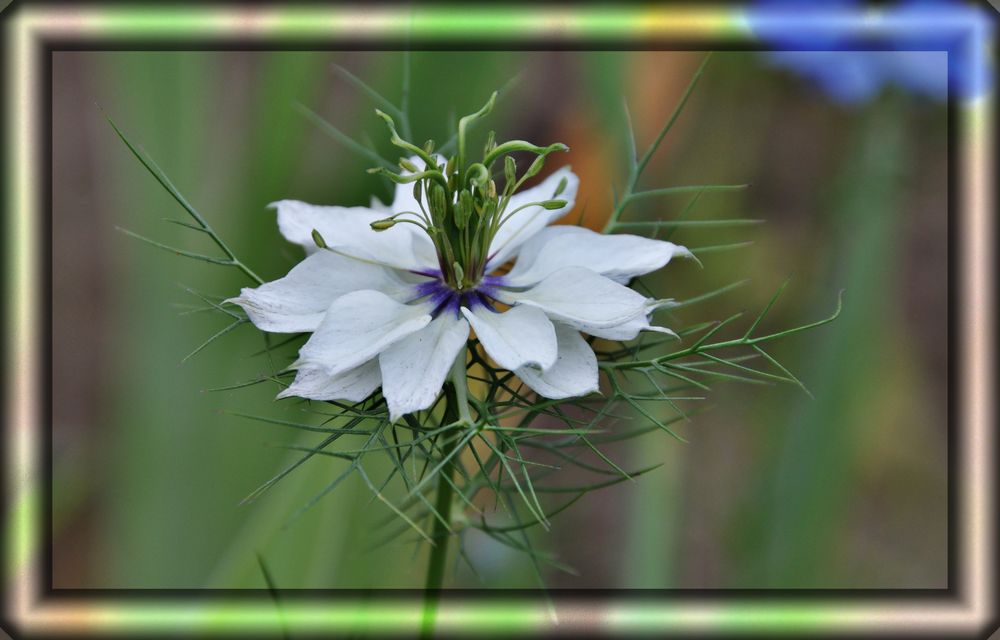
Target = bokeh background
(773,488)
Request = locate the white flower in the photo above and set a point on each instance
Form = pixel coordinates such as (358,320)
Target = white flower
(382,314)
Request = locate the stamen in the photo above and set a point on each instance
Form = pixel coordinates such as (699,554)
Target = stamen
(460,208)
(445,299)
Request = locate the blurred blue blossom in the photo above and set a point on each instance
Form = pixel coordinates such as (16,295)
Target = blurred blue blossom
(924,47)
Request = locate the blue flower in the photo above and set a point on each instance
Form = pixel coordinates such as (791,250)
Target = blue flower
(962,30)
(925,47)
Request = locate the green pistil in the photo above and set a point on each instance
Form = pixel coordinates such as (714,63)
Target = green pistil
(464,208)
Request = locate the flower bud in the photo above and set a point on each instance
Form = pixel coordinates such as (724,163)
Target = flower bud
(560,188)
(459,273)
(489,208)
(382,225)
(535,167)
(429,147)
(463,209)
(418,190)
(438,201)
(318,239)
(408,166)
(509,170)
(552,205)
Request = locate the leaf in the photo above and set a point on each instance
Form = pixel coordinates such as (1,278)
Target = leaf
(202,223)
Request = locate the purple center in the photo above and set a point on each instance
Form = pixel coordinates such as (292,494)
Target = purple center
(445,299)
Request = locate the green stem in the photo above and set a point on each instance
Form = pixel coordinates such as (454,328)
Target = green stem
(440,533)
(639,165)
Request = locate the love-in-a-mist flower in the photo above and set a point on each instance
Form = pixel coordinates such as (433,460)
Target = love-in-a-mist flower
(389,293)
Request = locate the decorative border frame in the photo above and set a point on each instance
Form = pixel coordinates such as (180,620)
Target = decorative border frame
(967,608)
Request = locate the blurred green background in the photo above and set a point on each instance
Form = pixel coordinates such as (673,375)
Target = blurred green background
(774,489)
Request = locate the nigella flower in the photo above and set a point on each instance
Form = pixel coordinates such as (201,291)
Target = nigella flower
(390,294)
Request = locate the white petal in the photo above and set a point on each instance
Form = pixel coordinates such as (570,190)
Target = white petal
(619,257)
(515,338)
(353,385)
(414,369)
(625,331)
(356,328)
(574,372)
(299,301)
(527,222)
(347,230)
(579,297)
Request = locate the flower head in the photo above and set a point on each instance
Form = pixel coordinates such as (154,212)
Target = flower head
(390,293)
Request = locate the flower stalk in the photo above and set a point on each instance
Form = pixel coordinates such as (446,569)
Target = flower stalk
(441,532)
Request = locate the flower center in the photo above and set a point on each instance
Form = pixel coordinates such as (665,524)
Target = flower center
(460,207)
(447,299)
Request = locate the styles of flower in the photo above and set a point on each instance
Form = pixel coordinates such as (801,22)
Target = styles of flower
(389,293)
